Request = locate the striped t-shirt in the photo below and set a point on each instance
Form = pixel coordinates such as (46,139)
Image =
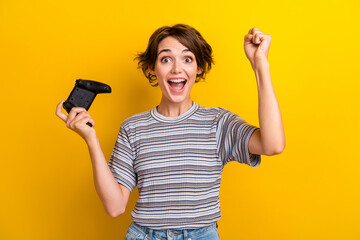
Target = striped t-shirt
(177,163)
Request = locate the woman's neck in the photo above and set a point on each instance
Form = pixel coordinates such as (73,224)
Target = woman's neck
(171,109)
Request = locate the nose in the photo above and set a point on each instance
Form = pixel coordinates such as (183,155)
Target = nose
(176,67)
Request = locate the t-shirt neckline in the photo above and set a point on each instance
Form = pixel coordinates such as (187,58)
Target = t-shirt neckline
(155,114)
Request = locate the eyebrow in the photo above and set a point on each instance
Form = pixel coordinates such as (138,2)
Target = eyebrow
(168,50)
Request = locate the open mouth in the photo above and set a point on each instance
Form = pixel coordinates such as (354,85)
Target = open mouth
(177,84)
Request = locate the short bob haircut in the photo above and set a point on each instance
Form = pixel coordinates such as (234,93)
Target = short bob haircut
(187,36)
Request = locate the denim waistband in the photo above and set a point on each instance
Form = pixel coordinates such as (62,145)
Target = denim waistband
(187,233)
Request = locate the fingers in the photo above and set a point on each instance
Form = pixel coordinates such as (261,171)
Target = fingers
(59,113)
(255,39)
(256,36)
(247,38)
(80,120)
(74,112)
(254,30)
(78,116)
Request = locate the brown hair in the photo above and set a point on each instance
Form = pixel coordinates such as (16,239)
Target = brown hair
(187,36)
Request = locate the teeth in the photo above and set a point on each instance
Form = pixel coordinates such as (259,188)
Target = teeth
(177,80)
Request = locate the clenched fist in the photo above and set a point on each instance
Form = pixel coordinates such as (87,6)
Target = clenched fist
(257,45)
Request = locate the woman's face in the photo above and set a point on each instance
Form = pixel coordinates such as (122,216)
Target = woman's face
(175,69)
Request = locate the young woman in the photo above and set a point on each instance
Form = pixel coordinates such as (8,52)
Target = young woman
(176,151)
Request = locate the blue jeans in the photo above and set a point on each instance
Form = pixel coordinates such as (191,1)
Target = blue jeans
(136,232)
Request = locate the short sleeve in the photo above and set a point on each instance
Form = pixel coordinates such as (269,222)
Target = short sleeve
(121,162)
(233,136)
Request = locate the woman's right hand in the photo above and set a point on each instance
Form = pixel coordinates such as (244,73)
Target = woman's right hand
(76,121)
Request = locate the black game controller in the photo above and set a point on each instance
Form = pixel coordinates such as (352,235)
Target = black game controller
(84,94)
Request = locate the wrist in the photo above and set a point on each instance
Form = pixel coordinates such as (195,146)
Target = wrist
(260,65)
(91,139)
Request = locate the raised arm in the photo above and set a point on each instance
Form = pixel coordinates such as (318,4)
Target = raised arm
(270,138)
(114,196)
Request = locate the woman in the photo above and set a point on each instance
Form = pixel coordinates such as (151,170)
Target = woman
(176,151)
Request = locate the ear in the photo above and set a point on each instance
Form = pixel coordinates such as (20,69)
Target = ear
(199,71)
(151,71)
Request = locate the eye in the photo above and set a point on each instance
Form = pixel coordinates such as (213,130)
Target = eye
(165,59)
(188,59)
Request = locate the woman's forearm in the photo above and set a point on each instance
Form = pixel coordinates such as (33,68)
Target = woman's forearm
(271,125)
(106,186)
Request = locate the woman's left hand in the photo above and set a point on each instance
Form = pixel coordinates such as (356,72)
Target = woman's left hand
(256,44)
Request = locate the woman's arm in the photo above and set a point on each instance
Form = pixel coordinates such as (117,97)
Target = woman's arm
(270,138)
(113,195)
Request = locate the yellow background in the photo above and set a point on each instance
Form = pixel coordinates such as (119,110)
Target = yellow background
(310,191)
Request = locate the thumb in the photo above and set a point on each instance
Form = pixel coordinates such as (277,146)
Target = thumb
(59,113)
(248,38)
